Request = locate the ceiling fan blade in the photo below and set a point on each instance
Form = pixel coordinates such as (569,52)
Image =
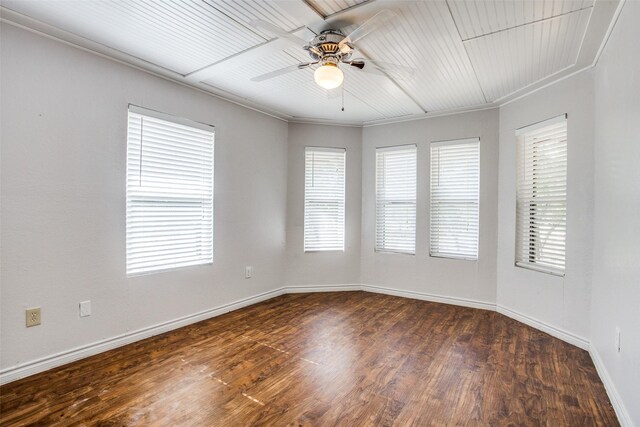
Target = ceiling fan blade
(372,24)
(278,32)
(281,71)
(383,68)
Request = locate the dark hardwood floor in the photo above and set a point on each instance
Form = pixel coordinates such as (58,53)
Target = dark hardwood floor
(350,358)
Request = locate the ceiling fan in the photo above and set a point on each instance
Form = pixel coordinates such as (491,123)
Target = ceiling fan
(331,48)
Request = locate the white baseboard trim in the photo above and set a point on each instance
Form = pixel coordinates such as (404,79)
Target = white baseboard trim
(612,392)
(465,302)
(320,288)
(13,373)
(554,331)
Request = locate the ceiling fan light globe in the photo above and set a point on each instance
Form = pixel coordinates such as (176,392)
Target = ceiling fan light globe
(328,76)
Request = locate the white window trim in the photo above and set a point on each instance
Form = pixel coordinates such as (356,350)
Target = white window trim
(442,144)
(137,110)
(344,202)
(519,133)
(375,238)
(170,118)
(541,124)
(538,269)
(454,142)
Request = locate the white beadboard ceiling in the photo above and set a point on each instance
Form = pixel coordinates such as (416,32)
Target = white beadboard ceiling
(330,7)
(466,53)
(513,58)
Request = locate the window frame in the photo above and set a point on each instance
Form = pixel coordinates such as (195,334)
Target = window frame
(132,199)
(344,199)
(521,135)
(436,144)
(386,250)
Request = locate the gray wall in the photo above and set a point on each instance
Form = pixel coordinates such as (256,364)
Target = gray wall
(471,280)
(64,116)
(323,268)
(562,302)
(63,205)
(615,299)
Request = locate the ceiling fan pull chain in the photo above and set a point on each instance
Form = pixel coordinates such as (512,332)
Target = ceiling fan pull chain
(342,96)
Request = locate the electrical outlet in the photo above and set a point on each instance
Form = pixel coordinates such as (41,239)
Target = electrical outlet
(85,308)
(618,340)
(248,271)
(34,317)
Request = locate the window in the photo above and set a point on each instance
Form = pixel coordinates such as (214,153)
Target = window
(541,210)
(455,198)
(396,199)
(324,199)
(169,192)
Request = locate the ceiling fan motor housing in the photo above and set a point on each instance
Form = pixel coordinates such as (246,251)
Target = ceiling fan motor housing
(325,47)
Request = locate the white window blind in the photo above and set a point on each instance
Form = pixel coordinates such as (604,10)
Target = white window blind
(455,198)
(324,187)
(396,199)
(169,192)
(541,210)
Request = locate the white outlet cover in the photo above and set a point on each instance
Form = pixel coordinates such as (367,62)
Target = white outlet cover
(85,308)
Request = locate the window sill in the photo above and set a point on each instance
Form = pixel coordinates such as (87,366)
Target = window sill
(459,258)
(546,270)
(387,251)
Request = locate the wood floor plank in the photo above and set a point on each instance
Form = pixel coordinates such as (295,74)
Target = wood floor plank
(325,359)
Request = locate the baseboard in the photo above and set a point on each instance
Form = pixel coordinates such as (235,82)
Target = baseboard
(465,302)
(612,392)
(391,291)
(566,336)
(320,288)
(40,365)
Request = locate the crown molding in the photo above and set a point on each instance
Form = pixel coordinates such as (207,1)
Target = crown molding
(431,115)
(323,122)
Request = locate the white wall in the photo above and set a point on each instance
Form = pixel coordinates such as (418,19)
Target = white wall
(323,268)
(615,300)
(472,280)
(64,115)
(562,302)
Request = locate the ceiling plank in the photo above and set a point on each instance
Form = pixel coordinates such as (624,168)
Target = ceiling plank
(424,37)
(179,36)
(301,11)
(515,58)
(259,51)
(525,24)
